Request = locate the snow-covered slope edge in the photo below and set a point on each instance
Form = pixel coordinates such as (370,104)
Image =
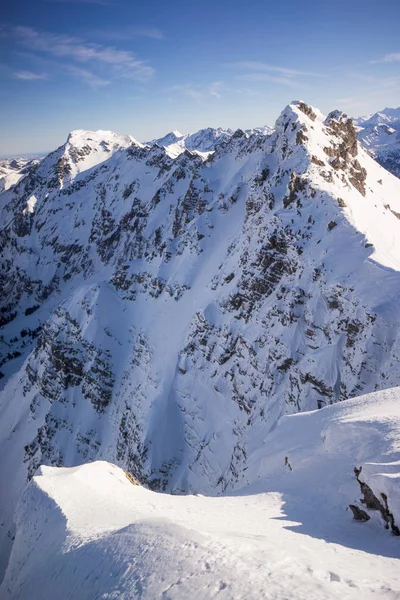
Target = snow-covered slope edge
(101,536)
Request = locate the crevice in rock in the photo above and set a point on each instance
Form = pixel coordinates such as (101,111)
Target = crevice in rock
(373,503)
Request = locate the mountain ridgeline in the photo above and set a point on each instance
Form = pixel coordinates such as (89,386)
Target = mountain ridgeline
(163,313)
(380,135)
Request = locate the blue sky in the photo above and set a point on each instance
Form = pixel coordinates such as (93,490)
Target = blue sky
(146,68)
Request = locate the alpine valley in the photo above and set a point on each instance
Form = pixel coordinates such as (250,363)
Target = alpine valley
(170,308)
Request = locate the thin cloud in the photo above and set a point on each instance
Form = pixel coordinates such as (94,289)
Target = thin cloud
(29,75)
(249,65)
(215,89)
(150,32)
(266,78)
(126,34)
(388,58)
(198,92)
(122,62)
(246,92)
(376,82)
(88,77)
(349,102)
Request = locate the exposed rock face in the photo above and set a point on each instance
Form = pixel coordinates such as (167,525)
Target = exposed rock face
(358,513)
(155,311)
(373,503)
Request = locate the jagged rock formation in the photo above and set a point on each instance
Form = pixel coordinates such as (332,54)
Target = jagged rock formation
(156,312)
(202,142)
(373,503)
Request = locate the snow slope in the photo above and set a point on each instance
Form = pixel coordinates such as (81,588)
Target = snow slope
(284,533)
(162,314)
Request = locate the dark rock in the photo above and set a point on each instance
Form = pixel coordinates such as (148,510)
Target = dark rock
(371,501)
(359,514)
(307,110)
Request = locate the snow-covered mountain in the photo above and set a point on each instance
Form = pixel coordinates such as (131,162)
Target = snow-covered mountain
(13,169)
(264,130)
(202,142)
(87,532)
(388,116)
(163,313)
(380,135)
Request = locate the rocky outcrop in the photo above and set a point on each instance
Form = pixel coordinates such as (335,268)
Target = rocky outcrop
(372,502)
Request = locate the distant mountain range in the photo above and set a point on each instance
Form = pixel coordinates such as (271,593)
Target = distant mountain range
(202,142)
(380,135)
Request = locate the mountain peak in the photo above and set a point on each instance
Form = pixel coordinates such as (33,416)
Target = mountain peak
(82,137)
(164,313)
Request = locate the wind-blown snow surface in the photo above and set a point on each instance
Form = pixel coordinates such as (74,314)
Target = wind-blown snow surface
(286,534)
(162,314)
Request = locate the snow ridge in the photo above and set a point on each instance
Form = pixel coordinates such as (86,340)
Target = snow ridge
(283,533)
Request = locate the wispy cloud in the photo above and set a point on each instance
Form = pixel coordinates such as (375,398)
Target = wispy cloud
(373,92)
(376,82)
(122,63)
(88,77)
(125,34)
(265,77)
(261,72)
(215,89)
(388,58)
(248,65)
(199,92)
(246,91)
(349,102)
(29,75)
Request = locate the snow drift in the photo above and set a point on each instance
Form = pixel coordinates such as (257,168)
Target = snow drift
(283,533)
